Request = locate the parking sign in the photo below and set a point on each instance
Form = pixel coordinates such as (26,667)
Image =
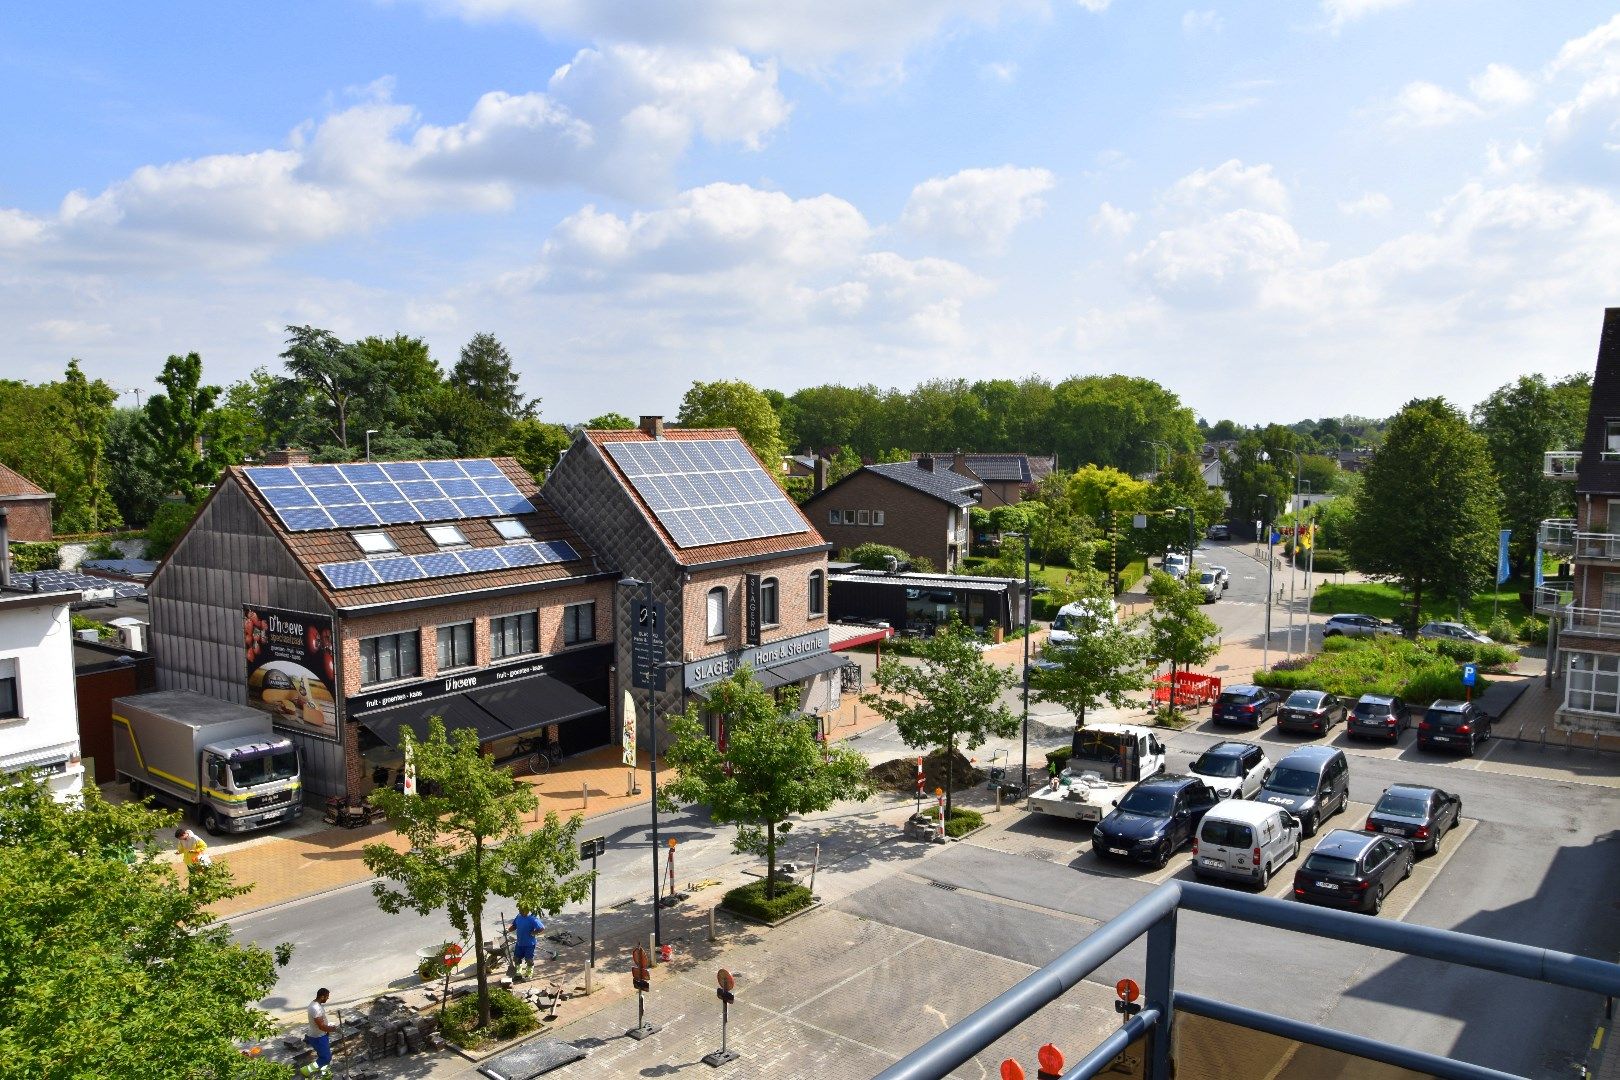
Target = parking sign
(1469,671)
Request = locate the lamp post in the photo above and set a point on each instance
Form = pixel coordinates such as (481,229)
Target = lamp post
(1023,768)
(1299,464)
(1156,442)
(369,433)
(1271,565)
(655,670)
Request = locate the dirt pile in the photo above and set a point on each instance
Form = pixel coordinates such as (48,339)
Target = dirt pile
(901,773)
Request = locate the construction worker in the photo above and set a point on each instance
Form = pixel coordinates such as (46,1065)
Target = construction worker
(526,928)
(318,1036)
(193,850)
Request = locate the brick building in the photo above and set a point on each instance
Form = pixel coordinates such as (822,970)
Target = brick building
(30,506)
(918,506)
(1005,479)
(741,573)
(354,601)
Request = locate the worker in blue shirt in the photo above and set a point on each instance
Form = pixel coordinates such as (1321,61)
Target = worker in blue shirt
(525,928)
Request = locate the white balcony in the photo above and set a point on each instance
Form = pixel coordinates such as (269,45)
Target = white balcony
(1593,622)
(1560,464)
(1556,534)
(1554,596)
(1597,547)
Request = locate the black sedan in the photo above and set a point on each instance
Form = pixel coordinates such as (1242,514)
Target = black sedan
(1378,716)
(1246,705)
(1422,815)
(1153,820)
(1311,710)
(1353,870)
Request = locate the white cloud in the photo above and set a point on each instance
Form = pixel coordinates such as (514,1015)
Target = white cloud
(1227,259)
(1111,221)
(1207,110)
(1197,22)
(1340,12)
(1501,86)
(1000,71)
(1597,50)
(1423,104)
(1096,7)
(1370,204)
(1508,158)
(977,208)
(1230,185)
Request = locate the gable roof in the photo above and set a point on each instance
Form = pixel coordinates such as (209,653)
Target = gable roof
(316,547)
(14,485)
(940,482)
(758,547)
(1000,467)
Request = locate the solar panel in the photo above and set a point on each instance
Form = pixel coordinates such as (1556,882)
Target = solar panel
(481,467)
(356,574)
(49,581)
(444,470)
(479,559)
(363,473)
(354,517)
(706,491)
(308,497)
(270,476)
(560,550)
(401,569)
(349,575)
(311,518)
(403,470)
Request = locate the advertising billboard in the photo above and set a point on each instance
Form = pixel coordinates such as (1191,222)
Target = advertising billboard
(291,669)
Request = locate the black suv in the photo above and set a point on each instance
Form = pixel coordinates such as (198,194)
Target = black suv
(1378,716)
(1312,783)
(1246,705)
(1457,725)
(1353,870)
(1154,819)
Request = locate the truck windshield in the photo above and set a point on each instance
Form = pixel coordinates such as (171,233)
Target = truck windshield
(265,769)
(1100,746)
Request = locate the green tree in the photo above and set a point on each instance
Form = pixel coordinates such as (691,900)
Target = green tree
(1520,422)
(132,473)
(1115,419)
(736,404)
(1255,481)
(87,408)
(467,843)
(189,443)
(484,372)
(109,966)
(1320,475)
(535,444)
(1106,663)
(772,768)
(337,374)
(948,697)
(610,421)
(1179,633)
(1181,485)
(1427,513)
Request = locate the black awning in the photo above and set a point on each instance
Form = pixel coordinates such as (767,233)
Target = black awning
(533,703)
(800,670)
(457,711)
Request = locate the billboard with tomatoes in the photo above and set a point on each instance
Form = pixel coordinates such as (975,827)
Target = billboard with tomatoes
(291,672)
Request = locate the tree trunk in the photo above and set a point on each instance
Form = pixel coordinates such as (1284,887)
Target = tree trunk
(770,860)
(1173,686)
(1417,605)
(950,770)
(476,912)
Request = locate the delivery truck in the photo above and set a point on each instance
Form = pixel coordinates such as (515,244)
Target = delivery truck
(224,762)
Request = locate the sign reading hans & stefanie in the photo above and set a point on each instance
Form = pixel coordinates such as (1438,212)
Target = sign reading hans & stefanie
(714,668)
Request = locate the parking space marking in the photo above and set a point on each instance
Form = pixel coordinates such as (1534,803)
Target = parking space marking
(1405,898)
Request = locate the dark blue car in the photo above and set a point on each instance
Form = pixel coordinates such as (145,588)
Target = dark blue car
(1154,819)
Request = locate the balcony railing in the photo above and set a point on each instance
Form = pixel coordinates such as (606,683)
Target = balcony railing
(1597,622)
(1560,464)
(1603,546)
(1556,534)
(1553,596)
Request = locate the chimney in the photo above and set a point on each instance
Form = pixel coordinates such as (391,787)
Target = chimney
(925,462)
(959,463)
(5,549)
(652,427)
(287,456)
(820,471)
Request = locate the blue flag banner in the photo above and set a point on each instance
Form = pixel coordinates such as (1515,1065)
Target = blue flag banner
(1539,577)
(1502,556)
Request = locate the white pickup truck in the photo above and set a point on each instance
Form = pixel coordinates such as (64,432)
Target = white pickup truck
(1105,762)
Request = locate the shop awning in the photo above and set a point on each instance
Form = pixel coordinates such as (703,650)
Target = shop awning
(456,709)
(533,703)
(800,670)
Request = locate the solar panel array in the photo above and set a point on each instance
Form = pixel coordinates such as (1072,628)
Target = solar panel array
(363,494)
(49,581)
(708,491)
(363,572)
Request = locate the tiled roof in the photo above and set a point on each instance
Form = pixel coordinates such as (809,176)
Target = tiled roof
(708,553)
(940,482)
(14,485)
(1017,468)
(316,547)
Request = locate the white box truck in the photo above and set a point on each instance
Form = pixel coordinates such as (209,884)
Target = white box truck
(225,762)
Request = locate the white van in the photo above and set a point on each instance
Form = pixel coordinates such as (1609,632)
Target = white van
(1081,617)
(1244,841)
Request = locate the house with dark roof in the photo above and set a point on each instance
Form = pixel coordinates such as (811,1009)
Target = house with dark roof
(702,528)
(29,504)
(919,506)
(354,601)
(1004,478)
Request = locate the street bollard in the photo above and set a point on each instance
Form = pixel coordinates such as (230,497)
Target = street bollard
(998,796)
(712,910)
(584,796)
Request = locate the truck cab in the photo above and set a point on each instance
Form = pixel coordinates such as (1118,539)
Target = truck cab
(1105,760)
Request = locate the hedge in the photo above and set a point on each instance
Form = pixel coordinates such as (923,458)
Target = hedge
(30,555)
(750,900)
(509,1017)
(1350,667)
(961,822)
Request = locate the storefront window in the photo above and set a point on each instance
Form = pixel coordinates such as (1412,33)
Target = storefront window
(1594,683)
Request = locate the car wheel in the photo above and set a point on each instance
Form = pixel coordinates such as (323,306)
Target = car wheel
(1163,856)
(1376,904)
(1265,876)
(1307,825)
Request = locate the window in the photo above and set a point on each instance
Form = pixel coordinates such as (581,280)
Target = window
(770,611)
(390,657)
(1594,682)
(10,706)
(818,592)
(717,612)
(375,543)
(445,535)
(877,517)
(511,529)
(1611,436)
(863,517)
(849,517)
(456,646)
(835,517)
(512,635)
(579,623)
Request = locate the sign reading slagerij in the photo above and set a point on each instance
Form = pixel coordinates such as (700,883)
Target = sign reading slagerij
(291,669)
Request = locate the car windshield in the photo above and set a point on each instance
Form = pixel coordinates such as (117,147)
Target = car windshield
(1304,699)
(1394,805)
(1154,802)
(1371,709)
(1218,765)
(265,769)
(1227,834)
(1292,782)
(1332,865)
(1206,578)
(1235,699)
(1064,621)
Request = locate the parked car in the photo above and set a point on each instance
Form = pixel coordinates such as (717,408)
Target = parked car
(1233,770)
(1174,564)
(1218,532)
(1249,705)
(1453,724)
(1154,819)
(1244,840)
(1357,626)
(1378,716)
(1082,616)
(1452,631)
(1353,870)
(1224,576)
(1422,815)
(1211,586)
(1311,710)
(1312,783)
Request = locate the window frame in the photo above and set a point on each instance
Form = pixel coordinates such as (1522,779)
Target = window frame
(863,517)
(446,527)
(849,517)
(816,594)
(11,676)
(714,614)
(770,602)
(835,517)
(570,621)
(877,517)
(520,530)
(397,651)
(472,645)
(387,546)
(499,635)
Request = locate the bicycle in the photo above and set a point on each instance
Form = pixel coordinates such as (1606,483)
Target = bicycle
(538,754)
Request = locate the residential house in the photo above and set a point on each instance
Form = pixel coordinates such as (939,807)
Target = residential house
(29,504)
(919,506)
(1005,479)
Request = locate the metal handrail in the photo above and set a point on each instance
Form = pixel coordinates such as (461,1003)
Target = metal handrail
(1556,532)
(1553,595)
(1560,463)
(1597,545)
(1585,620)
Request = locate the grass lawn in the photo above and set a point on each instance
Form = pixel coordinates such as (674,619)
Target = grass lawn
(1389,602)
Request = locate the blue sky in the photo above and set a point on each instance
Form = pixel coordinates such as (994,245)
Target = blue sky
(1279,210)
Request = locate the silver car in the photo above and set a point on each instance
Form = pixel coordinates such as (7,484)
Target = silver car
(1452,631)
(1347,625)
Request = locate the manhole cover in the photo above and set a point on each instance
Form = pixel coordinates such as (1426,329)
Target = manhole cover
(531,1059)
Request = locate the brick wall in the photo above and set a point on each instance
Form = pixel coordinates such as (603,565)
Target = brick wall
(916,523)
(792,576)
(30,519)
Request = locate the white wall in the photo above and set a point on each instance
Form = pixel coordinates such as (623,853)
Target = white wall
(38,638)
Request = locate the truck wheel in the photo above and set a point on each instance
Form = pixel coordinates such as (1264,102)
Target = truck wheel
(210,822)
(137,790)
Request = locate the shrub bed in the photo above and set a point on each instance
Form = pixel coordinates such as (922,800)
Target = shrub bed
(509,1017)
(750,900)
(1351,667)
(961,822)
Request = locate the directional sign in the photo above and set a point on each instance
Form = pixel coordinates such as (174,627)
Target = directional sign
(1470,673)
(646,644)
(593,848)
(1127,990)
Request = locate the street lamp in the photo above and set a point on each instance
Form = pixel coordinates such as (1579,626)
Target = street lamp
(1023,769)
(655,671)
(1271,566)
(369,433)
(1156,442)
(1299,464)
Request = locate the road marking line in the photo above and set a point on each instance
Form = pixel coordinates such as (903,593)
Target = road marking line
(1597,1040)
(1006,901)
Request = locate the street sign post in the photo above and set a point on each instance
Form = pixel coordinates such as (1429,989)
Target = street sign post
(641,979)
(592,849)
(646,644)
(1469,676)
(726,983)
